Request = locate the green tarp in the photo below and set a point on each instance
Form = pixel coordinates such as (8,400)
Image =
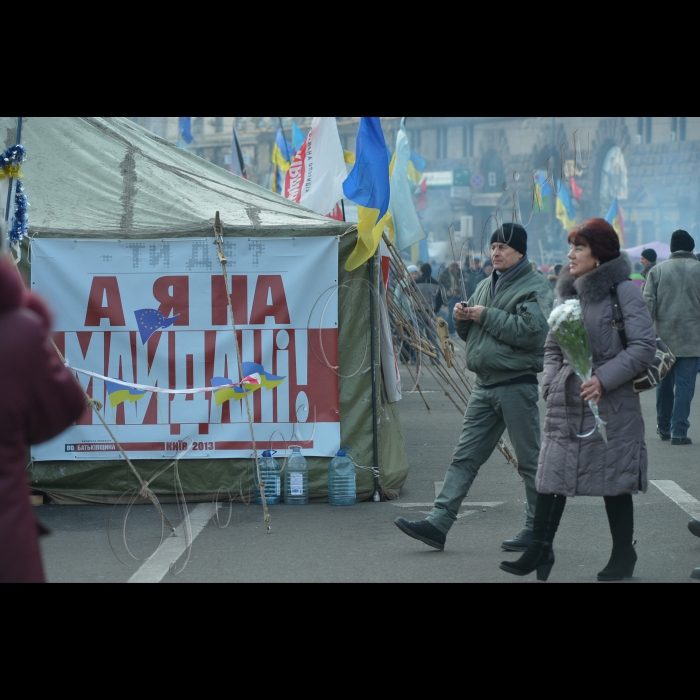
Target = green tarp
(105,177)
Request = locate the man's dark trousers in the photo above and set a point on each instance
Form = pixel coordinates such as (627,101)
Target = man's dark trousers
(674,396)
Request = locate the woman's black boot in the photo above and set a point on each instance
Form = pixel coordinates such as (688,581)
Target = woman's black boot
(624,559)
(540,555)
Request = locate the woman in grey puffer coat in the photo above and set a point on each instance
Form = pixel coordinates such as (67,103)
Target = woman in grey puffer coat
(573,466)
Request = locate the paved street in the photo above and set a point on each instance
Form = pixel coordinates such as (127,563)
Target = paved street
(361,544)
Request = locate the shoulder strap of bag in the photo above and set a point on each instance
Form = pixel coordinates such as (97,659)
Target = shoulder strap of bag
(618,317)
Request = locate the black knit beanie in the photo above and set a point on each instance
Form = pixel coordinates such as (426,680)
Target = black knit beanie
(650,255)
(682,241)
(512,235)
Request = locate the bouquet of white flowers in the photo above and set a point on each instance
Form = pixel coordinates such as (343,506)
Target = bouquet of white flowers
(568,328)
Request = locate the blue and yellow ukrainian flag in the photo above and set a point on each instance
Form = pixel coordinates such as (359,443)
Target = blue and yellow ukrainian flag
(416,168)
(231,393)
(566,213)
(282,157)
(369,187)
(615,217)
(267,381)
(119,394)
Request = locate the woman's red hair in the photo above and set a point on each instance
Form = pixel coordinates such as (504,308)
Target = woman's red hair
(600,237)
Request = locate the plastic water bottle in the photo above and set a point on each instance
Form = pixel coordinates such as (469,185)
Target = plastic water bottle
(342,483)
(271,478)
(296,479)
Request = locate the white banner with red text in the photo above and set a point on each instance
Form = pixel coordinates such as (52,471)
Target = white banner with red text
(141,320)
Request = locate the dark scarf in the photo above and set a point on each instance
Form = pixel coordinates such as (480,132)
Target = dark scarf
(497,281)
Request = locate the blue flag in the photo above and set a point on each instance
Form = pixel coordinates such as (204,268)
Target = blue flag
(151,321)
(186,129)
(544,183)
(612,214)
(298,137)
(368,183)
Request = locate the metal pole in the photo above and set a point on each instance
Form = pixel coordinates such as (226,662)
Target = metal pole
(375,412)
(9,190)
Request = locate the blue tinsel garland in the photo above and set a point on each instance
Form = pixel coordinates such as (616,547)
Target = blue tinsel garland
(15,156)
(19,228)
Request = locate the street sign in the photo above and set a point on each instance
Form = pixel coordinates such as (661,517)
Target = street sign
(462,177)
(488,199)
(459,192)
(478,182)
(440,179)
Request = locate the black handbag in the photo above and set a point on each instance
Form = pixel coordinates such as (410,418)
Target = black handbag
(663,362)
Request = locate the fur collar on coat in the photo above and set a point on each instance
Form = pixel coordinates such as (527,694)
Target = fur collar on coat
(596,285)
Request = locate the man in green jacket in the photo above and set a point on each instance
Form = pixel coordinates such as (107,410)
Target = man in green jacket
(505,329)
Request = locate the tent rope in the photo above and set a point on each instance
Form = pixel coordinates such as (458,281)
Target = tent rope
(96,406)
(219,242)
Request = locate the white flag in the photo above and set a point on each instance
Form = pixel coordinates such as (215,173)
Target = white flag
(407,224)
(315,179)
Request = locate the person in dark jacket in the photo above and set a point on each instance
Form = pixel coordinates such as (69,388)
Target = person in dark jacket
(649,258)
(576,460)
(38,401)
(504,328)
(429,288)
(474,275)
(451,289)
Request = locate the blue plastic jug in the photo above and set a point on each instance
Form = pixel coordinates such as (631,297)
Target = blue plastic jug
(342,482)
(271,476)
(296,479)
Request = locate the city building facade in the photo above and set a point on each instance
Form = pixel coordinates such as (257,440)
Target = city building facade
(480,169)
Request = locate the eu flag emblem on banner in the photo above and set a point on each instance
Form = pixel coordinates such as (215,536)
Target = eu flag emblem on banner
(119,394)
(151,321)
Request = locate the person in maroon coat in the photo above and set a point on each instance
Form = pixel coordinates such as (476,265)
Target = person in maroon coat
(38,401)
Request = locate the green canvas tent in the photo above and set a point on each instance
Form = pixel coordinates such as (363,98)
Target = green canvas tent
(106,178)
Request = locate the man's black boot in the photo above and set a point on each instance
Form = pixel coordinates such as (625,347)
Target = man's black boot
(624,559)
(424,532)
(519,543)
(695,575)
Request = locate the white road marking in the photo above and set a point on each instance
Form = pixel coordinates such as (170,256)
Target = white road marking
(680,497)
(158,566)
(430,505)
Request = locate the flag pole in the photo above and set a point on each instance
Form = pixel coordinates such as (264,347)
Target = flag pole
(290,157)
(375,411)
(9,190)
